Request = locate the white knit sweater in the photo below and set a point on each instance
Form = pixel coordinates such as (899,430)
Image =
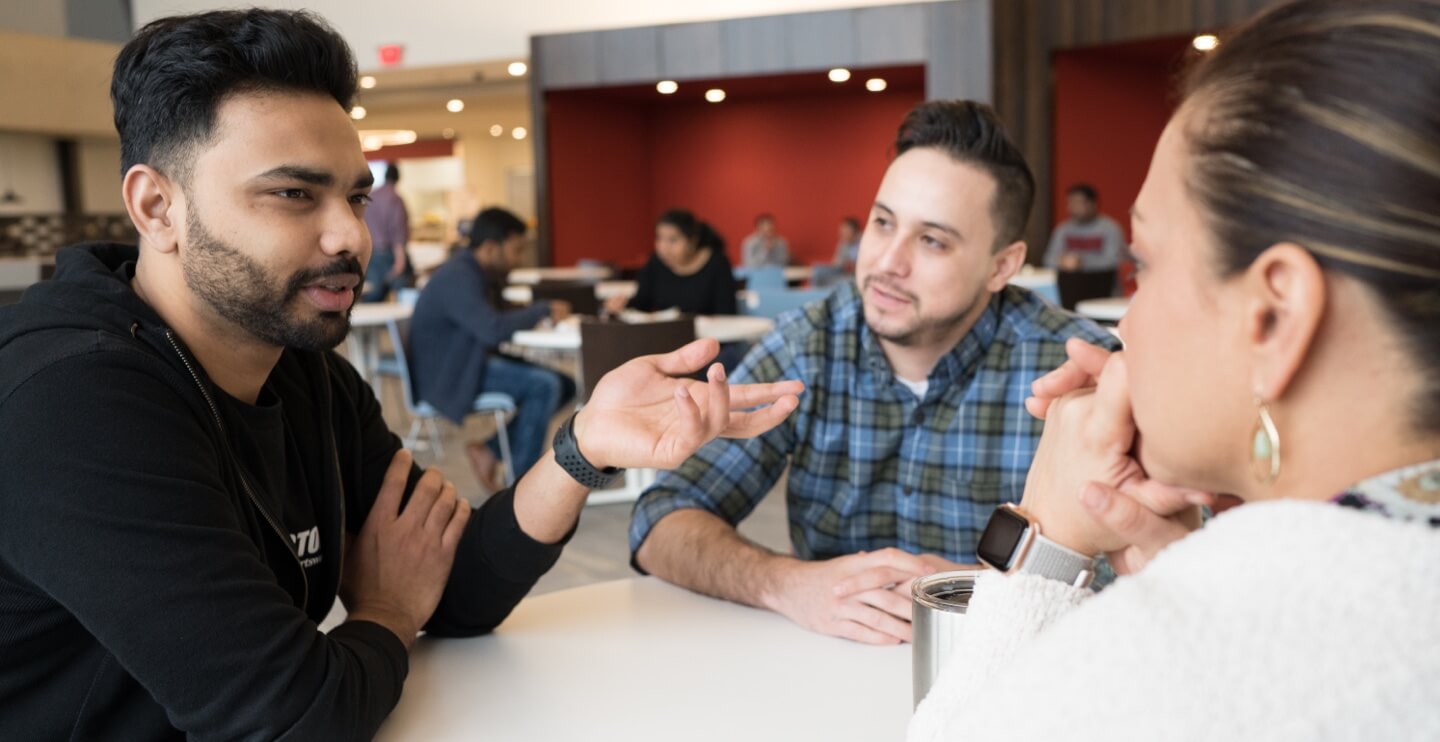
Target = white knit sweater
(1277,621)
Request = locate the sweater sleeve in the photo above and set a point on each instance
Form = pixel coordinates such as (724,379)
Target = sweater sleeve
(644,298)
(115,508)
(496,563)
(466,306)
(723,288)
(1005,613)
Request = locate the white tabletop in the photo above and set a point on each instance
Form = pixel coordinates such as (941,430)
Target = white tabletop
(725,328)
(1031,277)
(378,313)
(1107,310)
(793,273)
(521,293)
(639,660)
(536,275)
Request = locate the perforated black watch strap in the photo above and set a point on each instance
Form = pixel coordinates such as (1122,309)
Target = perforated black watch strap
(567,454)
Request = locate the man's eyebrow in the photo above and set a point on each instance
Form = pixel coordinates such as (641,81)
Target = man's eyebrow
(314,177)
(299,172)
(946,228)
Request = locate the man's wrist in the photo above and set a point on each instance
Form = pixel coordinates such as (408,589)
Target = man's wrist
(580,428)
(402,626)
(775,572)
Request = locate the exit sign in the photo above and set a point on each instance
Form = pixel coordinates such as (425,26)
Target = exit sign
(392,54)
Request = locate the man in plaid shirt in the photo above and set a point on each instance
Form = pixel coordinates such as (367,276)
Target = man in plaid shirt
(913,426)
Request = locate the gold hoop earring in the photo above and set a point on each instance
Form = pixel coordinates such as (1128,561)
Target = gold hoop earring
(1265,447)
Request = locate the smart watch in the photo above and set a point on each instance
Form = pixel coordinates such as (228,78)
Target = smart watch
(568,456)
(1012,543)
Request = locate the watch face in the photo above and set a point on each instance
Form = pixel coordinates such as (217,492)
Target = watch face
(1002,535)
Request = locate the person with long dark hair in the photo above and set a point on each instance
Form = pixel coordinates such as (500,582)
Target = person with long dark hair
(688,271)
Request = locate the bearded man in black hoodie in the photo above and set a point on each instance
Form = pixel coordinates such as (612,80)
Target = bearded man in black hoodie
(189,476)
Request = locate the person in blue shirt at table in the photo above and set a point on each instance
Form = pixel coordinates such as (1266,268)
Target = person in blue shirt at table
(913,429)
(460,322)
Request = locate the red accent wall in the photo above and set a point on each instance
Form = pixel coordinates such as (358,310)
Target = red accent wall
(1111,104)
(809,159)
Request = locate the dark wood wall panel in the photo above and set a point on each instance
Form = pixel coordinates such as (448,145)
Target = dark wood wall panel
(1028,32)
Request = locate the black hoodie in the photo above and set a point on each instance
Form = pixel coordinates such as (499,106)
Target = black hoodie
(148,586)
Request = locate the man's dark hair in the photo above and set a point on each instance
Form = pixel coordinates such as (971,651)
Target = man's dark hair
(970,132)
(392,173)
(1086,190)
(852,222)
(172,77)
(495,225)
(766,217)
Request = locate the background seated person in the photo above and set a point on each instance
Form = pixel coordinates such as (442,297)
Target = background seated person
(689,271)
(459,323)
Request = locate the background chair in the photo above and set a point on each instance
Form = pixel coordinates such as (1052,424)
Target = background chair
(604,346)
(580,296)
(1077,286)
(501,406)
(772,302)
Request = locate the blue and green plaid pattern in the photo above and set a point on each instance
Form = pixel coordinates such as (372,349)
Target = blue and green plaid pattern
(872,466)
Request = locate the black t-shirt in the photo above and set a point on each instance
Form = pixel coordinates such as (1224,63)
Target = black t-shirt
(710,290)
(285,482)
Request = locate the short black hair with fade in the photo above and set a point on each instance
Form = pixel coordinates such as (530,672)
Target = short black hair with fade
(971,132)
(495,225)
(172,77)
(1086,190)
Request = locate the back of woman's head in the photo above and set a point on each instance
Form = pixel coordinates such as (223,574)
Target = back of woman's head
(1318,123)
(706,236)
(683,221)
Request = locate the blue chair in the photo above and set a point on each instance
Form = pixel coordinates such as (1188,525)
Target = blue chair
(765,277)
(501,406)
(772,303)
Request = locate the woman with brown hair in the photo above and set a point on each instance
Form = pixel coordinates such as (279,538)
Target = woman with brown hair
(1284,346)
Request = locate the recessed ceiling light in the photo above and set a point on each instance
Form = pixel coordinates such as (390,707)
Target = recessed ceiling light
(1206,42)
(667,87)
(714,95)
(839,74)
(517,69)
(875,84)
(448,133)
(358,112)
(497,130)
(455,105)
(519,132)
(367,82)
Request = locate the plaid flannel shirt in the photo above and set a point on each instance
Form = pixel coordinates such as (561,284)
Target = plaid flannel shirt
(872,466)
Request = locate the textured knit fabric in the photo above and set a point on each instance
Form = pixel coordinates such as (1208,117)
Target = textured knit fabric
(872,466)
(1279,621)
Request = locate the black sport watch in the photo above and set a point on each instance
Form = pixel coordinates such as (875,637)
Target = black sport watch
(567,454)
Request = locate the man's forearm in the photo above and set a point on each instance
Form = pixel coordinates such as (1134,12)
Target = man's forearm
(548,501)
(698,551)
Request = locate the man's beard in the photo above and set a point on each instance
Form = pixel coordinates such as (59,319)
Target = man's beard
(239,290)
(925,329)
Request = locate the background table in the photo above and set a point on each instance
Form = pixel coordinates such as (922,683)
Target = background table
(725,328)
(367,321)
(1106,310)
(536,275)
(1042,281)
(639,660)
(522,293)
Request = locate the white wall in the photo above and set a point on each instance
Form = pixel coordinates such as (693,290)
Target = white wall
(436,32)
(30,165)
(99,166)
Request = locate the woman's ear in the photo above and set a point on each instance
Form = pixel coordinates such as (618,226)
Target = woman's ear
(150,199)
(1285,297)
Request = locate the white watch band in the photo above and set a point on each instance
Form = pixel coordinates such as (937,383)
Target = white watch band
(1049,559)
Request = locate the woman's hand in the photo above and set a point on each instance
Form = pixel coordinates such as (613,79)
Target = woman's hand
(1086,489)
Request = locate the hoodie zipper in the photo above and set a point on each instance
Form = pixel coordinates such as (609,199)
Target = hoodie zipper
(245,483)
